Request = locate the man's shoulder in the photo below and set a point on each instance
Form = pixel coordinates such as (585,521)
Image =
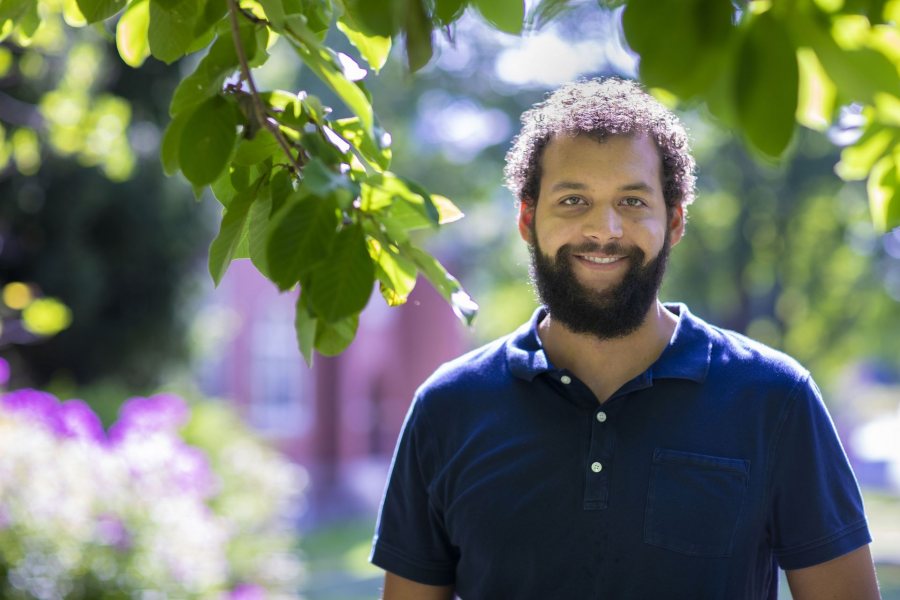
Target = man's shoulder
(477,370)
(733,353)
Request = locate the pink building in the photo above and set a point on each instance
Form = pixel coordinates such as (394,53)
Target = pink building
(339,419)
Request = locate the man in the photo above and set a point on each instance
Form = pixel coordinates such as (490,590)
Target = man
(615,447)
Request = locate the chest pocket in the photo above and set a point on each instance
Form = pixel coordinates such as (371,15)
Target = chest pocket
(694,502)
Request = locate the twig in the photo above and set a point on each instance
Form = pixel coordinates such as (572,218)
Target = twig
(259,109)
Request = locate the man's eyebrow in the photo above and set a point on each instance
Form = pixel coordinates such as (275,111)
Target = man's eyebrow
(638,186)
(567,185)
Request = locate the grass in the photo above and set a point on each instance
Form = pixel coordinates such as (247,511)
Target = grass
(337,565)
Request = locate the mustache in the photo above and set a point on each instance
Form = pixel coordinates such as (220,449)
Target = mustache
(608,248)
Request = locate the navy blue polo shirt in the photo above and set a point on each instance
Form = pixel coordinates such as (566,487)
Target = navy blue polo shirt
(695,480)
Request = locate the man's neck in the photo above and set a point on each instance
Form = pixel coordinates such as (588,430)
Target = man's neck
(606,364)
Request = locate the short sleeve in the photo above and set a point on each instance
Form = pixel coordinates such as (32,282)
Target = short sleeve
(410,538)
(816,510)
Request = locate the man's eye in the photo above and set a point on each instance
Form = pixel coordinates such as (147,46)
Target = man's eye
(633,202)
(572,201)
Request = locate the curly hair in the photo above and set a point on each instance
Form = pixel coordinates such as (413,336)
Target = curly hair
(600,108)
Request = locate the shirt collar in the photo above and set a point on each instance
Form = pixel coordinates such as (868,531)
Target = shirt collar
(687,356)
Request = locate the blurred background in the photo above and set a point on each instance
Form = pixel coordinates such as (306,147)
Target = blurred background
(106,296)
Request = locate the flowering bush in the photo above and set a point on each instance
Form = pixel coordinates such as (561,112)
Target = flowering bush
(171,502)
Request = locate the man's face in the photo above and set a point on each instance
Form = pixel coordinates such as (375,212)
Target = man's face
(600,232)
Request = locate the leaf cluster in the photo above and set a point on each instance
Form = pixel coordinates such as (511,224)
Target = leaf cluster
(763,66)
(308,198)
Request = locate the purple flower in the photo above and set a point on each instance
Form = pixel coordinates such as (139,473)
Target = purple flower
(162,412)
(247,591)
(36,406)
(112,532)
(80,421)
(192,472)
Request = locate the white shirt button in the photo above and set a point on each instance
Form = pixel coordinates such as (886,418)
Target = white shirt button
(596,467)
(601,416)
(566,379)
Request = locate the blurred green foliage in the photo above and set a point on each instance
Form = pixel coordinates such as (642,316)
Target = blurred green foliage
(115,252)
(789,256)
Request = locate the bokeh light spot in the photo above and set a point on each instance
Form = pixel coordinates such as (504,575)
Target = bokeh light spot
(46,316)
(17,295)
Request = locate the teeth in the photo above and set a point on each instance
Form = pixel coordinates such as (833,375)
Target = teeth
(599,260)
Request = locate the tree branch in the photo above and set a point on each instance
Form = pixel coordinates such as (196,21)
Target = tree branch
(259,108)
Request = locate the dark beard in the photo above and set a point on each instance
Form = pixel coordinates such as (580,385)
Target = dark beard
(612,313)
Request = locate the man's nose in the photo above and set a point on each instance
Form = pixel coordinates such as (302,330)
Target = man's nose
(603,224)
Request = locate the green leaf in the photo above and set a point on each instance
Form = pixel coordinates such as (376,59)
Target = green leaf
(767,85)
(28,23)
(859,73)
(384,189)
(281,187)
(305,326)
(210,74)
(171,142)
(131,33)
(419,43)
(223,189)
(884,193)
(288,108)
(544,11)
(684,44)
(505,15)
(317,15)
(816,94)
(395,272)
(98,10)
(314,109)
(857,160)
(239,177)
(262,146)
(258,55)
(341,286)
(326,66)
(334,338)
(887,107)
(317,144)
(207,140)
(379,157)
(447,211)
(258,229)
(448,11)
(274,10)
(322,181)
(373,48)
(213,11)
(431,211)
(375,17)
(234,222)
(408,206)
(171,29)
(302,234)
(13,10)
(445,283)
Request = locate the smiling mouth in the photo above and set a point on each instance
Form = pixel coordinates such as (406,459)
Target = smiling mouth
(600,260)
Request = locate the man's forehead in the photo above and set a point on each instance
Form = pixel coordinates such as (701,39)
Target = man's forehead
(562,149)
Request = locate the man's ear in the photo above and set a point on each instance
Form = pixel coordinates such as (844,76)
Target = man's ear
(676,224)
(526,218)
